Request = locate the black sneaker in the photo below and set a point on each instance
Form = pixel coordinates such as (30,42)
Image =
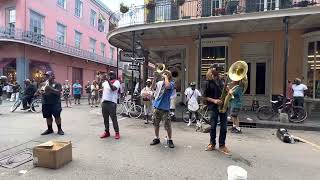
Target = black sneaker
(146,122)
(48,131)
(60,132)
(231,129)
(155,142)
(170,144)
(236,131)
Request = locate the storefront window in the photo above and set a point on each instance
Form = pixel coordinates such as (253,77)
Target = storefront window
(313,72)
(214,55)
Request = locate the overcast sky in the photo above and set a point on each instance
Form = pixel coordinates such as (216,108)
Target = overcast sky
(114,5)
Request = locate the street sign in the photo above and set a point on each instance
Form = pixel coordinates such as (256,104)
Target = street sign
(139,60)
(126,56)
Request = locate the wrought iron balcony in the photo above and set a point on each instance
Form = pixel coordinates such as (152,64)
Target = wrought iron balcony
(28,37)
(171,10)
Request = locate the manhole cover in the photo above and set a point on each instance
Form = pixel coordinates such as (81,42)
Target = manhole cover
(16,159)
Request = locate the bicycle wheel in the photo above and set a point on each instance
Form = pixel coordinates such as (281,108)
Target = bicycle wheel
(36,106)
(205,115)
(185,116)
(297,114)
(120,109)
(135,111)
(265,113)
(15,105)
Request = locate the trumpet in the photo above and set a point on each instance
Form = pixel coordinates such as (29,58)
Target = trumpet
(160,68)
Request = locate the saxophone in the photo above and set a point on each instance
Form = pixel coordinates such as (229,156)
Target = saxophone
(42,89)
(237,72)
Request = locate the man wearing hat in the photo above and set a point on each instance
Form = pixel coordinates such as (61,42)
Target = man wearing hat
(298,92)
(147,94)
(192,95)
(51,103)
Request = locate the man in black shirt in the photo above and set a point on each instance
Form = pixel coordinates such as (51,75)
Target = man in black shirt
(212,93)
(51,104)
(28,94)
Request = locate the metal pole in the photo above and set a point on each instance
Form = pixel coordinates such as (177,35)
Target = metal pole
(132,86)
(286,54)
(118,63)
(199,56)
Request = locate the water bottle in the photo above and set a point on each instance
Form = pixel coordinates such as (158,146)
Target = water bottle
(165,141)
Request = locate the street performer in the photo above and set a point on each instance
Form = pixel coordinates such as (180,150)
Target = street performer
(51,103)
(161,104)
(212,94)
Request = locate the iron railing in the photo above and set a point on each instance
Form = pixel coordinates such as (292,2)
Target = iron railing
(170,10)
(51,44)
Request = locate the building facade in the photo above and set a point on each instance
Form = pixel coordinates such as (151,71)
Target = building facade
(67,37)
(249,30)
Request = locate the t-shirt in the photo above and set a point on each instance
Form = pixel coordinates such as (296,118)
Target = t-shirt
(108,94)
(66,89)
(77,88)
(213,89)
(30,90)
(192,98)
(163,97)
(52,98)
(94,89)
(147,93)
(236,102)
(298,90)
(88,88)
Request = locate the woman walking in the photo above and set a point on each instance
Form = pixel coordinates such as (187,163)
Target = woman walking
(94,94)
(66,90)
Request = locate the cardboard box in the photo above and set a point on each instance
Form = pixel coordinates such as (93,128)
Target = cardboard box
(52,154)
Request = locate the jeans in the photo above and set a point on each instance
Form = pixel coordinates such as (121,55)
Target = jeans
(214,114)
(298,101)
(109,109)
(26,100)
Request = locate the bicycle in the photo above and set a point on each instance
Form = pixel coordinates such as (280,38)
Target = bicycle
(129,108)
(296,114)
(35,106)
(203,113)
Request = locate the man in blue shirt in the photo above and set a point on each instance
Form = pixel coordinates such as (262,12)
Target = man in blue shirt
(77,92)
(161,105)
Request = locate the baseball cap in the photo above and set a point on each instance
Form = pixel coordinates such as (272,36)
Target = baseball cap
(149,80)
(49,73)
(193,83)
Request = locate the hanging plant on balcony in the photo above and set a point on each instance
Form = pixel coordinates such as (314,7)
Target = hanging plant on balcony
(123,8)
(150,5)
(180,2)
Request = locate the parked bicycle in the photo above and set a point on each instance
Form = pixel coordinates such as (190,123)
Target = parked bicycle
(129,108)
(35,106)
(203,113)
(296,114)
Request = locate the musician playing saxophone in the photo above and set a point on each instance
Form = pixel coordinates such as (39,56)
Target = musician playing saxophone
(212,93)
(236,92)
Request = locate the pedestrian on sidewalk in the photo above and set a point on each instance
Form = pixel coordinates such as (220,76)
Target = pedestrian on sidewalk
(161,104)
(192,96)
(77,92)
(212,94)
(28,94)
(235,105)
(15,91)
(298,92)
(66,90)
(51,104)
(9,91)
(109,104)
(94,93)
(88,91)
(147,94)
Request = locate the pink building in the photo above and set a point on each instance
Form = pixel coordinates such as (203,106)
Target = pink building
(65,36)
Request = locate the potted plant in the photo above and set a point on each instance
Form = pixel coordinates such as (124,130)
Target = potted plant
(150,4)
(123,8)
(180,2)
(220,11)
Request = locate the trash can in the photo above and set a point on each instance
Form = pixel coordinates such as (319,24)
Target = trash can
(236,173)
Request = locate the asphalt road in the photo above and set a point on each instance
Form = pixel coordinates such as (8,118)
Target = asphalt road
(256,150)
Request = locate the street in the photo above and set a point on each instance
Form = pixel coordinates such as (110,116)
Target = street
(258,151)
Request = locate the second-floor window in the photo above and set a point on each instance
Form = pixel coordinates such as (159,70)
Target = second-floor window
(103,49)
(111,54)
(92,45)
(78,8)
(36,23)
(93,18)
(62,3)
(101,23)
(77,39)
(11,17)
(61,33)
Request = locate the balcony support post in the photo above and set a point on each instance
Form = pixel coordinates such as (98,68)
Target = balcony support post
(199,56)
(286,54)
(133,48)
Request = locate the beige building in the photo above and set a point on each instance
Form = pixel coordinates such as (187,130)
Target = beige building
(170,33)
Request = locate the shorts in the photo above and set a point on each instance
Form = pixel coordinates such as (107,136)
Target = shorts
(234,112)
(159,115)
(77,96)
(49,110)
(66,96)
